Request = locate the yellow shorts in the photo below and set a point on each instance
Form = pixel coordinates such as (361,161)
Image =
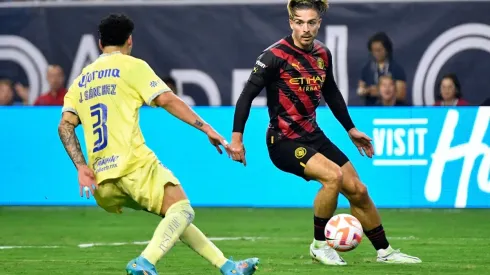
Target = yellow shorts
(142,189)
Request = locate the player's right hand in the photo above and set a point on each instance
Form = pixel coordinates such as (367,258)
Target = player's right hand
(86,178)
(362,142)
(216,140)
(238,151)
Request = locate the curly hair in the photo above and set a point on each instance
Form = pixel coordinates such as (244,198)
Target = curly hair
(384,39)
(115,29)
(321,6)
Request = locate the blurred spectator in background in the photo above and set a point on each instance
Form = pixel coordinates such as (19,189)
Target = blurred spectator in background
(386,87)
(6,93)
(170,83)
(381,63)
(22,93)
(450,92)
(57,91)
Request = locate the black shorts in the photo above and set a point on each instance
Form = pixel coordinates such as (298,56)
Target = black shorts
(292,155)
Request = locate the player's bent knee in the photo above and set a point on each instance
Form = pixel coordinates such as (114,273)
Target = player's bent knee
(183,210)
(337,175)
(360,193)
(173,193)
(362,190)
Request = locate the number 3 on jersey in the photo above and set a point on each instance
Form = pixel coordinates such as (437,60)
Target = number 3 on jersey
(100,128)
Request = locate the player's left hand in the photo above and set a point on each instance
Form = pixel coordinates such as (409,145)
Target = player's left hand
(362,142)
(217,140)
(86,179)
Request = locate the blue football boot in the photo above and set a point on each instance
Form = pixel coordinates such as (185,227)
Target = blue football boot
(245,267)
(140,266)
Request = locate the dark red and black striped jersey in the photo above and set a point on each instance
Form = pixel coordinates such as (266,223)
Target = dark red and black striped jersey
(295,80)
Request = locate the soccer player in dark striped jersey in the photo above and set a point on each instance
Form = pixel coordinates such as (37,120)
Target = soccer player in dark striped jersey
(296,71)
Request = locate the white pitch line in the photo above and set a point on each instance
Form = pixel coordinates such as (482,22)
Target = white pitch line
(409,238)
(217,239)
(87,245)
(237,238)
(28,246)
(214,239)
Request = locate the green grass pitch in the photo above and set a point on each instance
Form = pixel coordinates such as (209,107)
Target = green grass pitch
(45,240)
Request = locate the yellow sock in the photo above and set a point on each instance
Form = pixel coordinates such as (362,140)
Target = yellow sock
(195,239)
(177,219)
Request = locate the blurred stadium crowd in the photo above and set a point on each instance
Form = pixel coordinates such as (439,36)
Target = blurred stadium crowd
(381,82)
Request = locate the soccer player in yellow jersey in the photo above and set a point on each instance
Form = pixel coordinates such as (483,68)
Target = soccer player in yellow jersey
(122,171)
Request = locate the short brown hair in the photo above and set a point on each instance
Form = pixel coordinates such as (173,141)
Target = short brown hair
(319,5)
(386,76)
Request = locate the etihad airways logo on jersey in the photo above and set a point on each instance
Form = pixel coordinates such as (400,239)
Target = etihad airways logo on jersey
(314,80)
(90,76)
(308,84)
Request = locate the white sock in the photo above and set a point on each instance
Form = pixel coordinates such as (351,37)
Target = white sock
(319,244)
(384,252)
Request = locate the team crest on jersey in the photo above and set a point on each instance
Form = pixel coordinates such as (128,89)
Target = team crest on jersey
(320,63)
(153,84)
(300,152)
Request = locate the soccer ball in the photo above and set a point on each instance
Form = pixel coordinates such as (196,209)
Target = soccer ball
(343,232)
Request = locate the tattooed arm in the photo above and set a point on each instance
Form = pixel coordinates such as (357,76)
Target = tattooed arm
(66,131)
(178,108)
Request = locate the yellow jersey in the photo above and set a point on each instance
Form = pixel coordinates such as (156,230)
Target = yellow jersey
(107,96)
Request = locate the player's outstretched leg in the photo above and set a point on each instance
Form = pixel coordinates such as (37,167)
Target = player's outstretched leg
(329,175)
(178,215)
(363,208)
(195,239)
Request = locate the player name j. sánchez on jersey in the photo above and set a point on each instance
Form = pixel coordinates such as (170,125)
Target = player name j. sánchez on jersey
(93,92)
(100,90)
